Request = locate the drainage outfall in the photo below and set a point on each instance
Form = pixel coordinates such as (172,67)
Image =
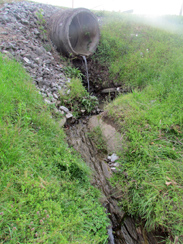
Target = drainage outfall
(75,32)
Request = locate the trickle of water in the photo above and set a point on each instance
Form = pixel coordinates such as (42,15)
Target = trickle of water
(111,237)
(86,67)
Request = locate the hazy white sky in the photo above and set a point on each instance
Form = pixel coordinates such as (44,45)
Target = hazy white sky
(157,7)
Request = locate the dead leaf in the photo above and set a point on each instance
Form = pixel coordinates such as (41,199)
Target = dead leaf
(168,183)
(172,181)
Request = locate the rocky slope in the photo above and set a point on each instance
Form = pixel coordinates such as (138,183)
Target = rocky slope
(23,28)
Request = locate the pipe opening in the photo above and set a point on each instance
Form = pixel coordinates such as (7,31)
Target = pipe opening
(83,34)
(75,32)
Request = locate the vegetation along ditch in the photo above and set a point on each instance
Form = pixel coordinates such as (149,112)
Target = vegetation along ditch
(69,177)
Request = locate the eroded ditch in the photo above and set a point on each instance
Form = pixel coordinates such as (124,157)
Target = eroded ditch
(122,229)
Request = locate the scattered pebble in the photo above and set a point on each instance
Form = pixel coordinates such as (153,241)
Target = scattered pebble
(69,116)
(63,108)
(114,157)
(112,164)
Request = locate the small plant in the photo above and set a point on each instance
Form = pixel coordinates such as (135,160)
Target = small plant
(73,72)
(97,137)
(40,16)
(72,98)
(89,102)
(77,98)
(41,24)
(77,90)
(47,47)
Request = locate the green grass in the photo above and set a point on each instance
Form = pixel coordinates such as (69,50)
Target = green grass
(45,193)
(136,49)
(97,137)
(77,98)
(151,121)
(144,56)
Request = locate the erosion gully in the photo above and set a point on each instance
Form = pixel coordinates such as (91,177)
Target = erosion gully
(122,228)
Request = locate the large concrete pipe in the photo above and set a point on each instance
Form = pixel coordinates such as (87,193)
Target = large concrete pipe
(75,32)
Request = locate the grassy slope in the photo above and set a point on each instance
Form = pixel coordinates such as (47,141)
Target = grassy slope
(136,52)
(151,119)
(45,192)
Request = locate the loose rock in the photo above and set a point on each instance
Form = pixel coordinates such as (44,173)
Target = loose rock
(63,108)
(22,38)
(69,116)
(114,157)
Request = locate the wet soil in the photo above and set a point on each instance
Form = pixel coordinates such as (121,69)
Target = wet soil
(123,229)
(98,75)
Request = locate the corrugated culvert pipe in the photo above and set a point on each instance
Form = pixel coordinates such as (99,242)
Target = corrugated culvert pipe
(75,32)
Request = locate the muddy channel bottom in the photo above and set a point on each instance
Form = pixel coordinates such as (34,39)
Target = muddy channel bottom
(122,229)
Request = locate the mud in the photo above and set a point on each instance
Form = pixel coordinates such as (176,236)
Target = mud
(122,229)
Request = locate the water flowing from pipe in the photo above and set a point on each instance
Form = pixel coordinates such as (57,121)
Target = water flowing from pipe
(87,76)
(111,237)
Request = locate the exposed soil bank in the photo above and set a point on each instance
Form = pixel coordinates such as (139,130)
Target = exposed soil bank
(98,75)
